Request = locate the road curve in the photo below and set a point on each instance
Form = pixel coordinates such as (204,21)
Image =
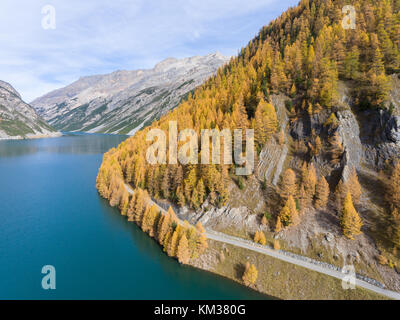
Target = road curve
(242,243)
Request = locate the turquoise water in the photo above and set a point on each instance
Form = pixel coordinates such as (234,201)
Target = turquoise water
(51,214)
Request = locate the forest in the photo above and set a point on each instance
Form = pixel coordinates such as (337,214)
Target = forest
(303,54)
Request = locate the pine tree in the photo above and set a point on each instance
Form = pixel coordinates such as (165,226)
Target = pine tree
(322,193)
(350,220)
(183,253)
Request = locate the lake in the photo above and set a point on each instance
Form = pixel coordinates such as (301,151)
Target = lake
(51,214)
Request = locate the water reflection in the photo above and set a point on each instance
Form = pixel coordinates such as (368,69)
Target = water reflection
(69,143)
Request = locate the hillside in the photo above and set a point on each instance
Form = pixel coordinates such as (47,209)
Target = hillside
(19,120)
(123,101)
(324,105)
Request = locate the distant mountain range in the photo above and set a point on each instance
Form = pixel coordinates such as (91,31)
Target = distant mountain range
(18,120)
(122,102)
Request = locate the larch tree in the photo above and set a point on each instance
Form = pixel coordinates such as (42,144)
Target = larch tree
(394,233)
(266,122)
(140,206)
(199,227)
(336,148)
(294,214)
(321,193)
(183,253)
(250,274)
(146,219)
(167,241)
(202,244)
(278,226)
(287,186)
(350,220)
(393,194)
(165,224)
(173,244)
(124,203)
(309,180)
(340,194)
(354,187)
(131,208)
(285,214)
(256,238)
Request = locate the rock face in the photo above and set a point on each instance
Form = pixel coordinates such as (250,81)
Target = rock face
(19,120)
(349,132)
(124,101)
(273,155)
(393,129)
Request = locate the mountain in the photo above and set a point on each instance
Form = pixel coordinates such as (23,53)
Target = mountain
(124,101)
(18,119)
(324,103)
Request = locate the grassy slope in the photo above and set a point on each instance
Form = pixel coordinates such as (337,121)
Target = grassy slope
(281,279)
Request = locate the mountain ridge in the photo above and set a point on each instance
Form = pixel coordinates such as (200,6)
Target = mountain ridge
(124,100)
(18,120)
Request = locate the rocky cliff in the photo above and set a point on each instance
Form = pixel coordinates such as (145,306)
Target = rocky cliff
(19,120)
(124,101)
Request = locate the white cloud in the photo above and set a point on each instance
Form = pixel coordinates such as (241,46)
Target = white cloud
(101,36)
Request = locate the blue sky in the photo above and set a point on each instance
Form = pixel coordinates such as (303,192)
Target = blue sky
(101,36)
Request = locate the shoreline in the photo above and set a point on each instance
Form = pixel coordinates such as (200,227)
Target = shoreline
(33,137)
(306,273)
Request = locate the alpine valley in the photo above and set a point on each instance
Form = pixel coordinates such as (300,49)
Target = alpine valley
(124,101)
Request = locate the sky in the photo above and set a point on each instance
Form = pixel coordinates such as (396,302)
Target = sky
(101,36)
